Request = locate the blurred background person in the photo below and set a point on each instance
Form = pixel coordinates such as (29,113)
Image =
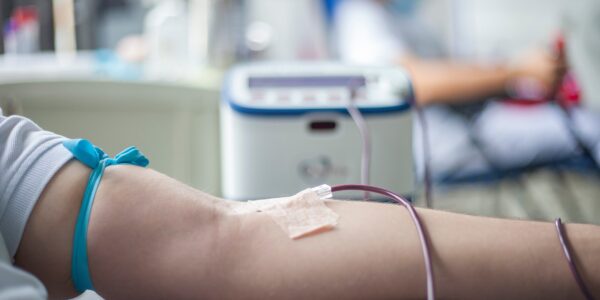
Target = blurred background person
(471,134)
(393,32)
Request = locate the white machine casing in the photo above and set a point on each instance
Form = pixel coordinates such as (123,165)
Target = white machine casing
(285,127)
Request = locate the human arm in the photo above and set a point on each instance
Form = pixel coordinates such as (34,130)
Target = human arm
(152,237)
(374,253)
(365,36)
(445,81)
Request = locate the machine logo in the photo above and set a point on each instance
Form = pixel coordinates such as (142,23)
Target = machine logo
(318,169)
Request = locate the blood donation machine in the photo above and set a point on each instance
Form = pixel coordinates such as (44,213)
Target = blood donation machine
(286,127)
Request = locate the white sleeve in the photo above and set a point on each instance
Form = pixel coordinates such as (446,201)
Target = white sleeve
(15,283)
(29,158)
(363,34)
(88,295)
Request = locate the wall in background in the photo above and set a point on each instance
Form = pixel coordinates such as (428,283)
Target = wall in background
(497,29)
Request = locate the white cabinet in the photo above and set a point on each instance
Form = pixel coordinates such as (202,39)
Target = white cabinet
(176,126)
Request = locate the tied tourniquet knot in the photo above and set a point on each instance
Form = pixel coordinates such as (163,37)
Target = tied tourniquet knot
(93,157)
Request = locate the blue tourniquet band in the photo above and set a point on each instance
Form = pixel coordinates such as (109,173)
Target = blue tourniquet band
(96,159)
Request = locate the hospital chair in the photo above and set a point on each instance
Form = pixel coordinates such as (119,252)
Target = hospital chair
(175,125)
(560,181)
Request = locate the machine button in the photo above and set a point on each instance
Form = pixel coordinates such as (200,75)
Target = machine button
(257,96)
(283,97)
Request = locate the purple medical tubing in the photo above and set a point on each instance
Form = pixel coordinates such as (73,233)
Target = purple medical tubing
(414,217)
(567,251)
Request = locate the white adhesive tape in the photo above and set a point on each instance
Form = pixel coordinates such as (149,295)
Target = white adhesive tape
(298,215)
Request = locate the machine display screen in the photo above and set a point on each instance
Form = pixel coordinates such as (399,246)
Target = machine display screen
(305,81)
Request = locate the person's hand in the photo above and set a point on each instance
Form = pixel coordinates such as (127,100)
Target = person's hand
(538,74)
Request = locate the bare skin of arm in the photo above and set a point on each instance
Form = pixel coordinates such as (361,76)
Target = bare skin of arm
(441,81)
(153,237)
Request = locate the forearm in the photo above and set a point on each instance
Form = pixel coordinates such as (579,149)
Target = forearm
(447,82)
(488,258)
(374,253)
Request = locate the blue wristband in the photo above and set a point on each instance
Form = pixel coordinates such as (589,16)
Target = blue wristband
(95,158)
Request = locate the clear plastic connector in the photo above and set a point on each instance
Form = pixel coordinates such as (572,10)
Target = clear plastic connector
(323,191)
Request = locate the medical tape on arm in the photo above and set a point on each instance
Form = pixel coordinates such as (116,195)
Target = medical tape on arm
(298,215)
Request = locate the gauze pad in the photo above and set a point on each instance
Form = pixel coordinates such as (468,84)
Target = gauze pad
(298,215)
